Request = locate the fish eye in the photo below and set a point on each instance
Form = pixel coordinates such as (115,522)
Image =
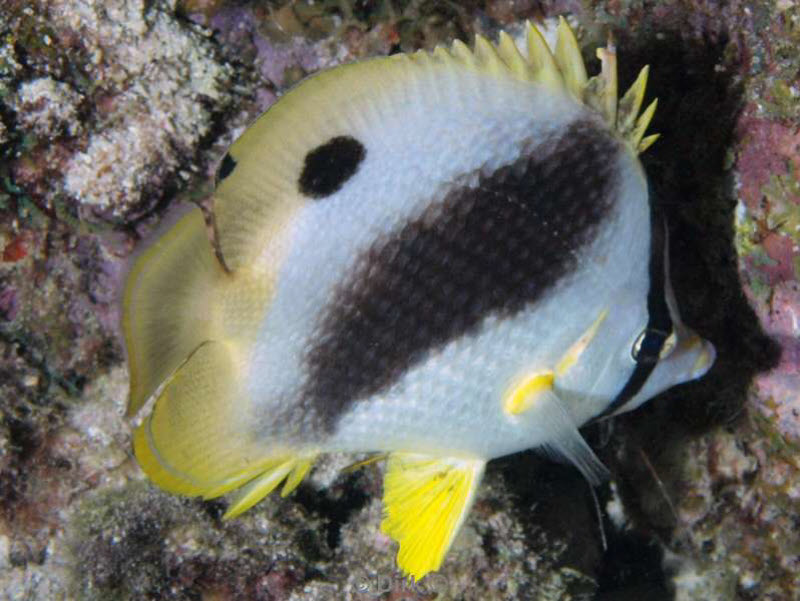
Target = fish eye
(652,345)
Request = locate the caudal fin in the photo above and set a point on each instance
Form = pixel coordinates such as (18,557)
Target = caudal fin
(199,439)
(168,307)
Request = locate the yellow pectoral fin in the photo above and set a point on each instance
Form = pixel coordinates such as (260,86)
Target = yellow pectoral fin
(523,396)
(426,500)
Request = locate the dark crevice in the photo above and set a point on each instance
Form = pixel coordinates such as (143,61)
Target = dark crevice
(337,504)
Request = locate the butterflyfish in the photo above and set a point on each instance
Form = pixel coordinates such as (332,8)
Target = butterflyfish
(443,257)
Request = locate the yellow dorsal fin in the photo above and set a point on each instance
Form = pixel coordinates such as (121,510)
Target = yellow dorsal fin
(425,502)
(641,124)
(541,59)
(511,56)
(647,142)
(253,205)
(463,54)
(601,90)
(631,102)
(487,56)
(569,60)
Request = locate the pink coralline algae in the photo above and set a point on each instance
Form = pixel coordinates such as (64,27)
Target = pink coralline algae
(768,237)
(769,149)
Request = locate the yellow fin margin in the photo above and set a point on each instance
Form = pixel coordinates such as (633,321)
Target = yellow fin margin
(290,471)
(196,441)
(426,499)
(562,69)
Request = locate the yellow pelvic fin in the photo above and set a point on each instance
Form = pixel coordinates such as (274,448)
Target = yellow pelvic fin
(425,502)
(574,352)
(169,307)
(291,471)
(199,439)
(524,396)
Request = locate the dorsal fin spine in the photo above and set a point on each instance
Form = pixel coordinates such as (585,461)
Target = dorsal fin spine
(562,69)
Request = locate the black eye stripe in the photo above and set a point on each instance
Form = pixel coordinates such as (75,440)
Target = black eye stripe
(650,346)
(659,318)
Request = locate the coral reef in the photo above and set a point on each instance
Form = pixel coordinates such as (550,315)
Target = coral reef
(112,112)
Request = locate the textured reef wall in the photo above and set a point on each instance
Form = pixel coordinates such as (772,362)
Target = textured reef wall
(112,112)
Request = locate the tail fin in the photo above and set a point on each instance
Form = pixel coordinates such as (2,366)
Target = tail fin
(200,437)
(168,308)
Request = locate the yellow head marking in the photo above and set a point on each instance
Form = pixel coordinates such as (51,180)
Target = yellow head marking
(524,396)
(571,356)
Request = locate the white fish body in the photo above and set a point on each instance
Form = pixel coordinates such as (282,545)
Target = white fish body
(446,257)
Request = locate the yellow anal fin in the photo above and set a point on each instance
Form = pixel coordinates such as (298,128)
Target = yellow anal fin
(425,500)
(291,471)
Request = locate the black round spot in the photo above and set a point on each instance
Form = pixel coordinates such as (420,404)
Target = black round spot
(330,165)
(226,167)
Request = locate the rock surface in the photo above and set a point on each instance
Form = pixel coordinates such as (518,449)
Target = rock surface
(111,112)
